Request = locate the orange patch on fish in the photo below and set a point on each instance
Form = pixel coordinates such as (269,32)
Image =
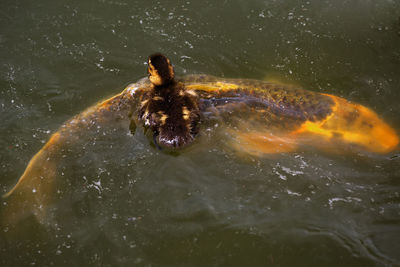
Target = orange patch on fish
(355,124)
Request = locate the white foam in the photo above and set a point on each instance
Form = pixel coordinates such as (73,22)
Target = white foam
(131,89)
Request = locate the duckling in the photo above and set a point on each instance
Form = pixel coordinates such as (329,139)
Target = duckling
(169,110)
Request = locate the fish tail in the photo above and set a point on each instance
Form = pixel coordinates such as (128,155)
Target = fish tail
(40,169)
(354,124)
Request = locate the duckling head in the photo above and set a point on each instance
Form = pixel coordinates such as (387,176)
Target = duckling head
(160,70)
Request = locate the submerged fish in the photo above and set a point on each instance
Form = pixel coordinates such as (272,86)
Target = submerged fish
(260,117)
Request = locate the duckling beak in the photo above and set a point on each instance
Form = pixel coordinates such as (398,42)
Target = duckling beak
(154,76)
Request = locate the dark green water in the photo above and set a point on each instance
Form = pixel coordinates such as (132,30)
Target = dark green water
(127,203)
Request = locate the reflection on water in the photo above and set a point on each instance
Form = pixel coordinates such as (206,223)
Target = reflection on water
(121,201)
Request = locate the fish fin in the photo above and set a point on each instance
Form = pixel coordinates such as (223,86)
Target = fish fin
(263,143)
(32,193)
